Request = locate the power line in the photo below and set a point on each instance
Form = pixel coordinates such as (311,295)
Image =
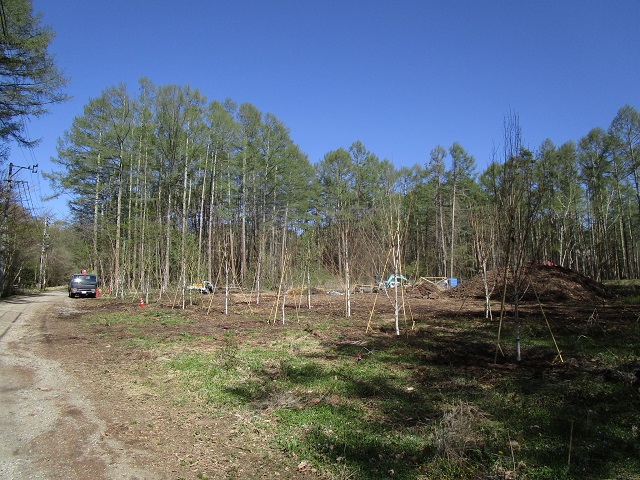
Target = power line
(5,216)
(29,156)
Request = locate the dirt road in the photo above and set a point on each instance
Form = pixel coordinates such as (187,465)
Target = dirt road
(49,428)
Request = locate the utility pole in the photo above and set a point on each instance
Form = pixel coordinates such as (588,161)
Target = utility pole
(43,247)
(5,219)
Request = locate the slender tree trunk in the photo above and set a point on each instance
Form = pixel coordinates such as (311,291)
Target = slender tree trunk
(183,244)
(211,218)
(396,269)
(283,261)
(243,220)
(143,264)
(453,228)
(128,253)
(440,238)
(96,203)
(116,270)
(347,279)
(167,253)
(418,249)
(309,274)
(226,287)
(136,266)
(232,254)
(201,215)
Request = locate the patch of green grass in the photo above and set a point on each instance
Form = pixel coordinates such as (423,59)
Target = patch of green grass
(429,404)
(202,376)
(375,418)
(166,317)
(568,423)
(338,438)
(627,292)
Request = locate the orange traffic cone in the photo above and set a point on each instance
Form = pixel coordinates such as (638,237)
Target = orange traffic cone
(141,302)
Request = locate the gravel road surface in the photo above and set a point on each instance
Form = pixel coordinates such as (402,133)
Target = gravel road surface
(49,428)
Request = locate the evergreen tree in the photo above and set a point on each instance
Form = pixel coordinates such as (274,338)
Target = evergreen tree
(459,179)
(29,83)
(29,79)
(217,187)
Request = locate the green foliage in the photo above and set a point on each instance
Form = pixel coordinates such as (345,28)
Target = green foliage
(220,191)
(29,79)
(29,83)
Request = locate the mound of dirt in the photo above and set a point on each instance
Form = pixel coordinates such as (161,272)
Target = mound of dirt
(424,290)
(551,283)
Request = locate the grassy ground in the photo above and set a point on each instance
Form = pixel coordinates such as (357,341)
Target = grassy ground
(440,401)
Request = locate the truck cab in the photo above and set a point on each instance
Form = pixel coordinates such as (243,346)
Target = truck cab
(83,285)
(394,280)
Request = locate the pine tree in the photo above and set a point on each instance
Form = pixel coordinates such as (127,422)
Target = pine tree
(29,79)
(29,83)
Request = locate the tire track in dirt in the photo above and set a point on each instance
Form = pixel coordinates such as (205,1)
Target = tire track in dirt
(49,428)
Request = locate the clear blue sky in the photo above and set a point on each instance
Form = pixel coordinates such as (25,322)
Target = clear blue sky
(400,76)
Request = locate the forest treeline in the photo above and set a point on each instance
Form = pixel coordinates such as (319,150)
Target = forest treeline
(168,189)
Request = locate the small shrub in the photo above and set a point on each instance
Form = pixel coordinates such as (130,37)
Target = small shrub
(460,431)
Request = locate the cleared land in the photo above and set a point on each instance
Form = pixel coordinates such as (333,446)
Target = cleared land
(209,395)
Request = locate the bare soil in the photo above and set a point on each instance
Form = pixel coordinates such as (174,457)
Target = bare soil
(50,424)
(76,405)
(86,402)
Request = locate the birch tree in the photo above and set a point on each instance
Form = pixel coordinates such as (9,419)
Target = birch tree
(516,203)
